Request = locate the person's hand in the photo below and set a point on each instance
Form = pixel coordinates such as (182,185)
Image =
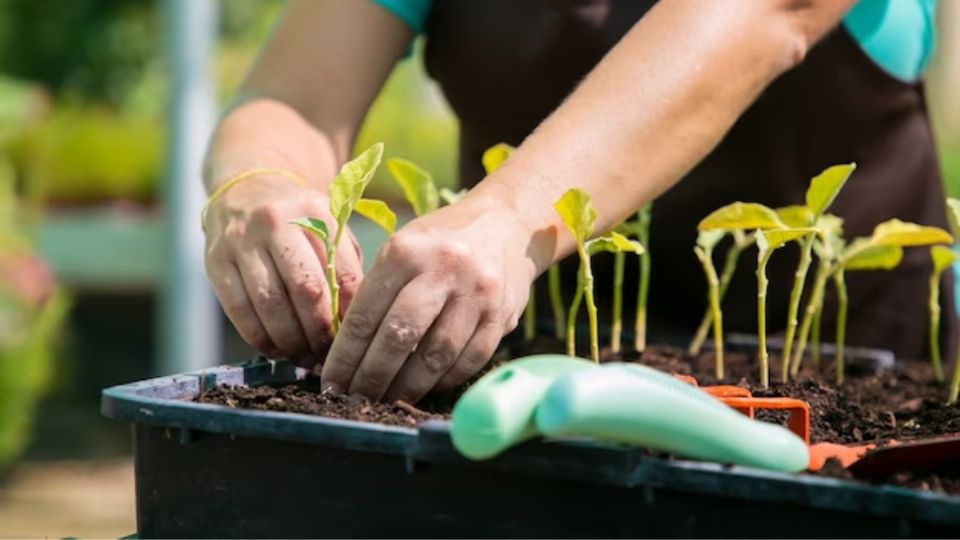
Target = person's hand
(431,312)
(269,274)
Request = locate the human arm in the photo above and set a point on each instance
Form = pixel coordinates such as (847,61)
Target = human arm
(654,107)
(298,110)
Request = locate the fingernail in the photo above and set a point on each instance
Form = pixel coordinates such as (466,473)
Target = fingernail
(331,388)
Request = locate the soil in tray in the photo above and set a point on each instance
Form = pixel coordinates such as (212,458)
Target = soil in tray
(871,406)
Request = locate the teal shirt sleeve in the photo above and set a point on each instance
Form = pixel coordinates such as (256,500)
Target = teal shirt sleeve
(412,12)
(897,34)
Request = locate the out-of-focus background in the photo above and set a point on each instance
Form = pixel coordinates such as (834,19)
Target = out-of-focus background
(104,109)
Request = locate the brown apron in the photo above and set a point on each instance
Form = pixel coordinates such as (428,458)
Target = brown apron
(504,65)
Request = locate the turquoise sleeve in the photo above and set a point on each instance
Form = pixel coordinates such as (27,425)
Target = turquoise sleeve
(412,12)
(897,34)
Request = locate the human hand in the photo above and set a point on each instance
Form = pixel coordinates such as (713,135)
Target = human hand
(269,274)
(441,294)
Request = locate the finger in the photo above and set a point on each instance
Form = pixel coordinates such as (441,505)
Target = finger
(407,321)
(374,297)
(349,273)
(228,285)
(271,303)
(475,355)
(303,276)
(436,352)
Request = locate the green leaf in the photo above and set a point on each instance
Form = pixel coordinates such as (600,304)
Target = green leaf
(868,256)
(495,156)
(709,239)
(347,188)
(953,215)
(417,185)
(825,186)
(452,197)
(379,213)
(899,233)
(795,215)
(942,257)
(740,215)
(772,239)
(317,227)
(577,213)
(613,242)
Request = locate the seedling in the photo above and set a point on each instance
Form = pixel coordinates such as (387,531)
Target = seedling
(577,213)
(706,241)
(953,215)
(346,191)
(640,229)
(821,193)
(828,246)
(943,257)
(767,242)
(738,217)
(741,241)
(417,185)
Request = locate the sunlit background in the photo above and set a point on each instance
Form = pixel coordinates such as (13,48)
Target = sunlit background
(102,114)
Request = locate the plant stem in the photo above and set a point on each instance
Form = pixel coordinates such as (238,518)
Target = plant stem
(556,300)
(334,290)
(643,288)
(713,285)
(841,285)
(530,316)
(762,321)
(955,380)
(729,266)
(591,310)
(799,278)
(814,305)
(572,315)
(616,327)
(815,337)
(934,329)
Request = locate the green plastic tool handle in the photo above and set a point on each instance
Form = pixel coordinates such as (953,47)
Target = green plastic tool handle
(637,405)
(497,411)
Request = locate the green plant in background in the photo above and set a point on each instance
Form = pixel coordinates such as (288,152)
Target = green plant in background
(741,241)
(346,192)
(706,241)
(740,216)
(576,211)
(943,257)
(821,193)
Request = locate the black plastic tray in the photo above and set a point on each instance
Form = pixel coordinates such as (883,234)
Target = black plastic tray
(211,471)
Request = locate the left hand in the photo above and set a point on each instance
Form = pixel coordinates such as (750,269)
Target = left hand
(431,312)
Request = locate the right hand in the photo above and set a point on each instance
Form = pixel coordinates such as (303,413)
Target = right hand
(269,274)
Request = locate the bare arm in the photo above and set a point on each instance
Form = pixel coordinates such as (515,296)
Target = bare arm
(452,283)
(298,110)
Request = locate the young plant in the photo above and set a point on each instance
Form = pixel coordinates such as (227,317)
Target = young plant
(640,229)
(417,185)
(706,241)
(943,257)
(767,242)
(821,193)
(953,216)
(738,217)
(577,213)
(346,191)
(741,241)
(828,246)
(883,250)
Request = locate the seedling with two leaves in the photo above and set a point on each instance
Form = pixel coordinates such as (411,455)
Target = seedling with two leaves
(576,211)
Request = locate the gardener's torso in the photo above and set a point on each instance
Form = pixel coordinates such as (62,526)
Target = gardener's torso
(504,65)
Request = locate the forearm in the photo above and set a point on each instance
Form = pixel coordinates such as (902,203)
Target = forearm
(653,108)
(267,133)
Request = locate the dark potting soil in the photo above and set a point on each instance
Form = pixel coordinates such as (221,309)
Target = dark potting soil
(870,406)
